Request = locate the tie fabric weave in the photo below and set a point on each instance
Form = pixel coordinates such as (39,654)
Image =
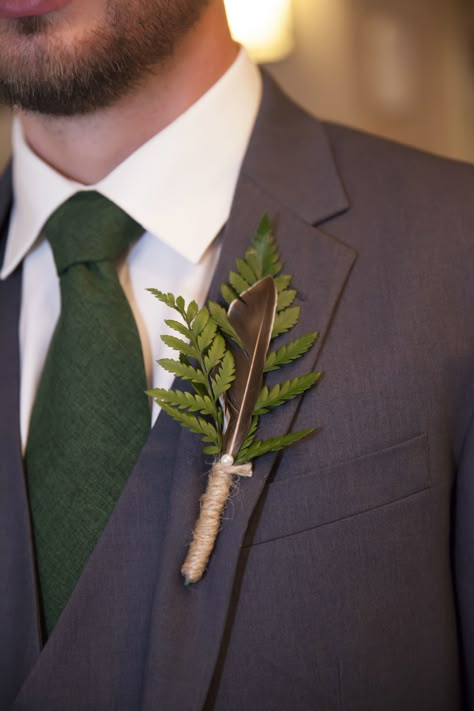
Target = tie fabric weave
(91,415)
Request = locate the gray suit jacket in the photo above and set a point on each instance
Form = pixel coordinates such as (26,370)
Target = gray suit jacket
(333,585)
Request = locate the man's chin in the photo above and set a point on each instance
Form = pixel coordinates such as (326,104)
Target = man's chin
(53,71)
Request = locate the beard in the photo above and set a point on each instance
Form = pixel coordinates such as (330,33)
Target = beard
(41,71)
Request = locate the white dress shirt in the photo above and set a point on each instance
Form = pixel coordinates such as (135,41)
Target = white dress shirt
(179,186)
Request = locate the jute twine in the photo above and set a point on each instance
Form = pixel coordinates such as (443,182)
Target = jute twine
(213,503)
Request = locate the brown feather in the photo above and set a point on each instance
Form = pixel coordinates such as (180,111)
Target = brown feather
(252,316)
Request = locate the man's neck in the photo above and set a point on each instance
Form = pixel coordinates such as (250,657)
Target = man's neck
(86,148)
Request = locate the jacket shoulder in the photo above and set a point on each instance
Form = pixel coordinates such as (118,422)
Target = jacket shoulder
(376,158)
(421,191)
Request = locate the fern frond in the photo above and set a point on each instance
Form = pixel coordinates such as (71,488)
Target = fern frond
(250,438)
(195,424)
(167,299)
(208,364)
(266,248)
(225,375)
(238,283)
(191,311)
(246,271)
(285,320)
(212,449)
(181,307)
(215,353)
(178,345)
(282,282)
(200,321)
(184,400)
(228,293)
(178,327)
(280,393)
(285,298)
(183,370)
(219,314)
(206,336)
(274,444)
(290,352)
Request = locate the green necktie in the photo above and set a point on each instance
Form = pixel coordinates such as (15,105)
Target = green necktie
(91,416)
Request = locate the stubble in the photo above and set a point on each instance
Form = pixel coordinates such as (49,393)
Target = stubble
(43,71)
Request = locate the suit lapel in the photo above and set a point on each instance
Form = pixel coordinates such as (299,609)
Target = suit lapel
(18,607)
(173,634)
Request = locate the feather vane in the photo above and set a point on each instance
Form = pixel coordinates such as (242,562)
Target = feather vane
(252,317)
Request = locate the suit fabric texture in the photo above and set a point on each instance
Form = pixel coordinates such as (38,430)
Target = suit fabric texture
(342,579)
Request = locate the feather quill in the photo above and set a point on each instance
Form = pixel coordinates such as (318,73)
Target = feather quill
(252,316)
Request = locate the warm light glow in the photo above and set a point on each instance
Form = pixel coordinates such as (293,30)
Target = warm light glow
(264,27)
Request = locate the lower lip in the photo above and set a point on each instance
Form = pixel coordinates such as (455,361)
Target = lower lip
(29,8)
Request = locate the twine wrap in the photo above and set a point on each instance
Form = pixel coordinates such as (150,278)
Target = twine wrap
(213,503)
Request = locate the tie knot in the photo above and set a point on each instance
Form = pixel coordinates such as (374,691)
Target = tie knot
(89,228)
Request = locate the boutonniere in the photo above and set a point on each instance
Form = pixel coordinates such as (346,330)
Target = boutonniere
(224,355)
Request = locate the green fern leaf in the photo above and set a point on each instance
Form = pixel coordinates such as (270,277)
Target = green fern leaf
(274,444)
(254,262)
(219,314)
(212,449)
(184,400)
(181,307)
(192,310)
(278,394)
(282,282)
(252,431)
(228,293)
(264,228)
(246,271)
(200,321)
(215,353)
(292,351)
(270,268)
(178,345)
(250,437)
(238,283)
(195,424)
(263,258)
(183,371)
(285,320)
(266,249)
(167,299)
(178,327)
(206,337)
(225,375)
(285,298)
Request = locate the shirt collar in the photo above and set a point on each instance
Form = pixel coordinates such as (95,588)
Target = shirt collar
(179,185)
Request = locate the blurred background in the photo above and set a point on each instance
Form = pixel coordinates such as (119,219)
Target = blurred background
(403,69)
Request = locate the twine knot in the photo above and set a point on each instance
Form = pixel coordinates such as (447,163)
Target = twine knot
(227,466)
